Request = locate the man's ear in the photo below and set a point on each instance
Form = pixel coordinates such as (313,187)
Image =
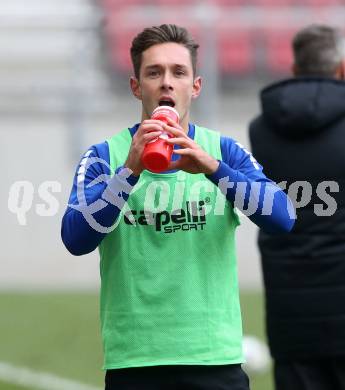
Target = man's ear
(197,84)
(135,87)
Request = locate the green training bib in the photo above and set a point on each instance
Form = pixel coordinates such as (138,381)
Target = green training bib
(169,288)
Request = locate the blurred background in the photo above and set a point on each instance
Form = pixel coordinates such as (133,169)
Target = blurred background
(64,71)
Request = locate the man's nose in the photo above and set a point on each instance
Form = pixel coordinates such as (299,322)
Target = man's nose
(167,82)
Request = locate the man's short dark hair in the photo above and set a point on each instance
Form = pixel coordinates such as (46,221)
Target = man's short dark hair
(162,34)
(318,51)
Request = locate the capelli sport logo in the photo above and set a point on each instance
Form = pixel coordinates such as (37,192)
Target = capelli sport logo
(190,217)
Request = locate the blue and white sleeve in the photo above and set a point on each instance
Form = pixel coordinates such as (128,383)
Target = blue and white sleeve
(95,201)
(241,179)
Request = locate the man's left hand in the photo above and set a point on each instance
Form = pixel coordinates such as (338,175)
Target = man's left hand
(193,158)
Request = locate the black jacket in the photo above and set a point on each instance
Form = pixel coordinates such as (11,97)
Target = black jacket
(300,136)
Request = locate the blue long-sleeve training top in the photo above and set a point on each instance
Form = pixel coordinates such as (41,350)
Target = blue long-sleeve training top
(239,177)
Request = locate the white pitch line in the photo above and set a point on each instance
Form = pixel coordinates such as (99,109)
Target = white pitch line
(39,380)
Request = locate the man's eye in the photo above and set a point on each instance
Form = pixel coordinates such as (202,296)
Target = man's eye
(153,73)
(179,72)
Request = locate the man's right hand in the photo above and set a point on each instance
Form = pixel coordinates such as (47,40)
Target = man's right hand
(148,130)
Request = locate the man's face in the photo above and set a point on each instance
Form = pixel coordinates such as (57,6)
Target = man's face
(166,78)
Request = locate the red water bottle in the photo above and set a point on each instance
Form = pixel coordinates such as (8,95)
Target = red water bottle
(157,153)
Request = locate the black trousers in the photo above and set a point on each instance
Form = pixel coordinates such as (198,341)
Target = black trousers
(311,374)
(227,377)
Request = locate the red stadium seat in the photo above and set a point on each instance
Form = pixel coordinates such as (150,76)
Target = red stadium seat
(235,51)
(230,3)
(272,3)
(177,3)
(320,3)
(119,43)
(120,50)
(278,50)
(113,5)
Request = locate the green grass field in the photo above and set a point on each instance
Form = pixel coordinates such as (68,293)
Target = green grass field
(59,333)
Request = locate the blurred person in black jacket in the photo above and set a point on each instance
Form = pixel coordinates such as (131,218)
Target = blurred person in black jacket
(300,140)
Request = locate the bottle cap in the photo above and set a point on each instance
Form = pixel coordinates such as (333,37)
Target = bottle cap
(165,111)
